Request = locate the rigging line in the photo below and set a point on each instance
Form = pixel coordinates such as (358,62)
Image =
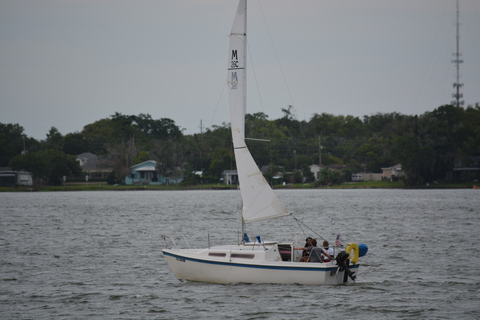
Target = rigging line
(298,221)
(299,225)
(218,103)
(275,51)
(284,78)
(255,77)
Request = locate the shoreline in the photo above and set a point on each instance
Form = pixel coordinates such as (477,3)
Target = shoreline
(95,186)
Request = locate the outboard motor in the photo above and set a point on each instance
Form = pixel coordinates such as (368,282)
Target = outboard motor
(343,262)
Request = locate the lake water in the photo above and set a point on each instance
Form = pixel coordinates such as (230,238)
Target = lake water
(98,255)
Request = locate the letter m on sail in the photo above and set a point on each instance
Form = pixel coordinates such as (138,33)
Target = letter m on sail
(234,55)
(234,81)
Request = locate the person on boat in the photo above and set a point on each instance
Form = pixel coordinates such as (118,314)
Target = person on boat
(305,253)
(327,253)
(314,252)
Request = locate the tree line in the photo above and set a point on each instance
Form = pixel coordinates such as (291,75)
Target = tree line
(427,145)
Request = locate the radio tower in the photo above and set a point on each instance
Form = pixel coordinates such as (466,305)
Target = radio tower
(457,85)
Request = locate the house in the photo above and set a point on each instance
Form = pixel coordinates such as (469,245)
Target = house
(357,177)
(465,169)
(316,168)
(145,173)
(276,176)
(229,177)
(367,176)
(93,165)
(393,171)
(10,178)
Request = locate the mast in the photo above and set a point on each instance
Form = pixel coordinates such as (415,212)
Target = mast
(457,85)
(259,202)
(245,67)
(237,82)
(244,102)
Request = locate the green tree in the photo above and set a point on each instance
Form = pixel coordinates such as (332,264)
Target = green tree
(170,157)
(220,159)
(54,139)
(142,157)
(47,166)
(98,135)
(307,173)
(11,142)
(75,143)
(120,157)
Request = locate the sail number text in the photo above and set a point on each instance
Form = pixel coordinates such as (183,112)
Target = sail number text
(234,65)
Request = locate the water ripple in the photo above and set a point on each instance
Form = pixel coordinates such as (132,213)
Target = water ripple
(98,255)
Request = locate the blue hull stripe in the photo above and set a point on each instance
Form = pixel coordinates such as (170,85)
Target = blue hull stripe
(241,265)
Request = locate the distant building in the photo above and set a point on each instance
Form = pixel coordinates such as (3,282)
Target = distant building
(93,165)
(366,176)
(357,177)
(393,171)
(145,173)
(229,177)
(465,169)
(316,168)
(10,178)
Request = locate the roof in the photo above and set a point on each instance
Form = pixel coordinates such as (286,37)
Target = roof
(265,169)
(90,161)
(397,166)
(146,168)
(336,166)
(229,172)
(317,165)
(149,165)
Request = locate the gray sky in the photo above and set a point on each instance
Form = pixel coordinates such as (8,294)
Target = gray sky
(68,63)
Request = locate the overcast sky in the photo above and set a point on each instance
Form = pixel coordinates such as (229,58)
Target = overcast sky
(69,63)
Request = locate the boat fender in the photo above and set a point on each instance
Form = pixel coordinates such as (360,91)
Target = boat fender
(353,246)
(362,249)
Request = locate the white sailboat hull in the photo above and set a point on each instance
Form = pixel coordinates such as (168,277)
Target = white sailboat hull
(197,265)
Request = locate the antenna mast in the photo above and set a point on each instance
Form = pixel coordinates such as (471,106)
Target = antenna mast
(457,95)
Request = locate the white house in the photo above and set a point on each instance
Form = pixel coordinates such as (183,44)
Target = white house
(366,176)
(315,169)
(395,170)
(229,177)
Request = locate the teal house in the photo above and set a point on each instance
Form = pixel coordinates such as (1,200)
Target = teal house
(145,173)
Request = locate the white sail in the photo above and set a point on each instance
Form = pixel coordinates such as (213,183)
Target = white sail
(259,201)
(237,73)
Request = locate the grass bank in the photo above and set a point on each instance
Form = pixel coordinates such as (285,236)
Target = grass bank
(96,186)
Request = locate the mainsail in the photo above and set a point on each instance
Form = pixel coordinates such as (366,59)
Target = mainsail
(259,201)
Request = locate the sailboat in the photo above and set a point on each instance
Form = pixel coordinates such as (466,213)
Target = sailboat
(253,261)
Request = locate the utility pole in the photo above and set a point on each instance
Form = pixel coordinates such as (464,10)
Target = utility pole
(201,126)
(201,144)
(295,155)
(320,149)
(457,95)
